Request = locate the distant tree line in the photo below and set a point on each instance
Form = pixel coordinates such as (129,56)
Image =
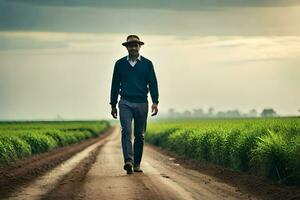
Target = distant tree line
(212,113)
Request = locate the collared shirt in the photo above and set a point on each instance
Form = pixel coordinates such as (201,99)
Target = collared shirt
(133,62)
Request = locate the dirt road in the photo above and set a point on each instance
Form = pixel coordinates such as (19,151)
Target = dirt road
(162,179)
(101,176)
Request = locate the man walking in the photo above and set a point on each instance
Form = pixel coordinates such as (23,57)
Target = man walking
(133,77)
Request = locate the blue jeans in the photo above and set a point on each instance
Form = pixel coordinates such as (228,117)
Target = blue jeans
(129,111)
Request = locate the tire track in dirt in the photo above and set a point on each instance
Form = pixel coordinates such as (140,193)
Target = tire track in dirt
(162,179)
(108,180)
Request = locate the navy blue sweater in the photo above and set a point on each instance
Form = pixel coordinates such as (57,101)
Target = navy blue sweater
(132,82)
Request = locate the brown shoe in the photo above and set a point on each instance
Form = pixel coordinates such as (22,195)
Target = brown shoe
(128,167)
(137,168)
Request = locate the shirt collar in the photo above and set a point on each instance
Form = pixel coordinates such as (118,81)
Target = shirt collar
(139,57)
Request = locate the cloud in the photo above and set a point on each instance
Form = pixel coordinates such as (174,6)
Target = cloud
(263,49)
(56,42)
(227,48)
(23,43)
(240,49)
(246,21)
(158,4)
(225,43)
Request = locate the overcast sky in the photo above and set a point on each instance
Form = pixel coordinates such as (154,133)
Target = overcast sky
(57,57)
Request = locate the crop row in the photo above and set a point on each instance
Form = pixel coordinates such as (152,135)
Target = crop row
(19,140)
(265,147)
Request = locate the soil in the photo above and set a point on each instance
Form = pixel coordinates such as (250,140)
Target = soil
(165,176)
(23,171)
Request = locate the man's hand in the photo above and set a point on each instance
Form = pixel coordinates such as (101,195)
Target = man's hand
(154,108)
(114,112)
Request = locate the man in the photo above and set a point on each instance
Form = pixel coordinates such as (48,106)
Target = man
(133,77)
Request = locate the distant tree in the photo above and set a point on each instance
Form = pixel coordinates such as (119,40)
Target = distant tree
(221,114)
(236,113)
(187,113)
(211,111)
(233,113)
(177,114)
(268,112)
(252,113)
(198,112)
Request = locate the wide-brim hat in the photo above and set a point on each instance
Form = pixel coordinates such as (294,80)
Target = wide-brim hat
(132,39)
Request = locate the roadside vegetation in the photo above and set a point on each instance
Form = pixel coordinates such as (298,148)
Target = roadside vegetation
(22,139)
(268,147)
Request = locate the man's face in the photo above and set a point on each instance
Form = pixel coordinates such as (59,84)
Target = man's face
(133,49)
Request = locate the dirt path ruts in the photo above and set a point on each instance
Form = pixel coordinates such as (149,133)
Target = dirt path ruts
(106,179)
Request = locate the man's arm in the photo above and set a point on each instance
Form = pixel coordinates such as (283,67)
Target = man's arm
(115,87)
(153,86)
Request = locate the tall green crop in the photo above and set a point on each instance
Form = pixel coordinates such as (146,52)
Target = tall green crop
(267,147)
(22,139)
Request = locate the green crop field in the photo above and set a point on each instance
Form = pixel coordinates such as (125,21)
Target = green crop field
(22,139)
(265,147)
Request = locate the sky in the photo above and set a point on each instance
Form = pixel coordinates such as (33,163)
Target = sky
(57,56)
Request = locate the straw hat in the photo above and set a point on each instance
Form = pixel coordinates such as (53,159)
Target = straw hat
(132,39)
